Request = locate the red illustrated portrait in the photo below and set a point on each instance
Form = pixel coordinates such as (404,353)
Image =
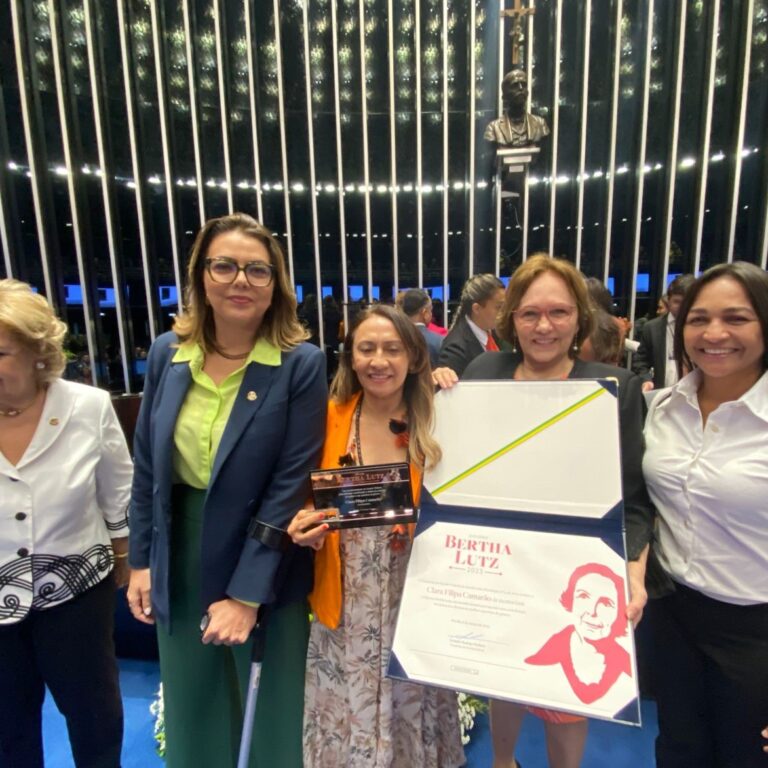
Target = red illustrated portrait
(586,649)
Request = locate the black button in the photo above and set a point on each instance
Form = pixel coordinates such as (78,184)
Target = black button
(23,552)
(21,516)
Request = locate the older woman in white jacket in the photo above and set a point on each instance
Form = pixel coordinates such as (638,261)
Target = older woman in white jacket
(65,474)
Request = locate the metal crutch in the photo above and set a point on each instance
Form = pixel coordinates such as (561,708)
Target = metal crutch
(257,656)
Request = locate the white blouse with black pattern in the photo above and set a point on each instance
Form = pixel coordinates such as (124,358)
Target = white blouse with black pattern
(63,502)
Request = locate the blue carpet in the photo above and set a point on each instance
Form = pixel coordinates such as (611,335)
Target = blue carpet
(138,681)
(608,745)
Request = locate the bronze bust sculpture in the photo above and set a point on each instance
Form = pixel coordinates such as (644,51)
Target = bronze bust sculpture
(516,127)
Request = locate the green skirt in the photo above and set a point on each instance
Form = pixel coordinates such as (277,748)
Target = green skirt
(205,686)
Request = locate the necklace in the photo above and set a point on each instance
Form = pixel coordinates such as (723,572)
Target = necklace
(520,375)
(398,536)
(228,356)
(12,412)
(398,427)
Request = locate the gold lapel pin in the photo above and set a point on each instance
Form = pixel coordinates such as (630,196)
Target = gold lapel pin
(54,422)
(251,396)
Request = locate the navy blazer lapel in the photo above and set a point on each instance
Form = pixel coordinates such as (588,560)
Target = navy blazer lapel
(177,382)
(249,399)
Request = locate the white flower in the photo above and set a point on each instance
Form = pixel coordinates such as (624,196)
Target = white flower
(157,710)
(469,707)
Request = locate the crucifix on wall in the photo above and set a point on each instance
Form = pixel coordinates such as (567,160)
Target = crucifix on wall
(517,12)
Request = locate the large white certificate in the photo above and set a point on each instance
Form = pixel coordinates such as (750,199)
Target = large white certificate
(516,585)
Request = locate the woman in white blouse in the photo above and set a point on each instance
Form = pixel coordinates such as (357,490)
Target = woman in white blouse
(706,466)
(65,474)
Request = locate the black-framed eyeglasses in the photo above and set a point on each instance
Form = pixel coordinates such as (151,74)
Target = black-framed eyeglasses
(225,270)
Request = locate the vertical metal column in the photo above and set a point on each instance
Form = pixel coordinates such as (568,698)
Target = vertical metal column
(313,177)
(8,237)
(252,104)
(392,144)
(61,101)
(472,120)
(4,235)
(673,146)
(193,106)
(35,170)
(707,133)
(497,176)
(446,180)
(555,126)
(107,184)
(529,78)
(611,173)
(764,240)
(339,165)
(283,149)
(739,143)
(583,131)
(219,25)
(638,216)
(138,185)
(366,165)
(162,106)
(419,158)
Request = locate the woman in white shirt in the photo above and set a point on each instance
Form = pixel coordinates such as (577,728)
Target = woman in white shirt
(706,466)
(65,474)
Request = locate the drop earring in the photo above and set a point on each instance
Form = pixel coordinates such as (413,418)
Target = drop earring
(514,344)
(575,346)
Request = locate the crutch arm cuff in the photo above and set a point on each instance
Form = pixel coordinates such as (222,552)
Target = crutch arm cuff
(269,535)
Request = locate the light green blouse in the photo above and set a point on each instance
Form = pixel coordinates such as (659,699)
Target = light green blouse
(205,412)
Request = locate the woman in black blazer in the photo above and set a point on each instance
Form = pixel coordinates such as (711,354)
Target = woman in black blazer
(472,332)
(546,316)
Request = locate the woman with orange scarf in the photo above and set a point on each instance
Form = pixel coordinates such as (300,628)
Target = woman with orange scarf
(380,412)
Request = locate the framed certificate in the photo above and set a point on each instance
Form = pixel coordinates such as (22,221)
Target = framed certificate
(517,581)
(379,494)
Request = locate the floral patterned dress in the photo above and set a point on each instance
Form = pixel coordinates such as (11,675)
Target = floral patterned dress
(354,716)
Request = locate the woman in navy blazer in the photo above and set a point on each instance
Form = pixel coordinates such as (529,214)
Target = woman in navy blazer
(212,493)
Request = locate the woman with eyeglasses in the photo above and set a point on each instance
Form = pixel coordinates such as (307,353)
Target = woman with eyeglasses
(232,420)
(546,317)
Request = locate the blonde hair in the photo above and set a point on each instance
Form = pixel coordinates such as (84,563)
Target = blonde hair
(418,391)
(521,281)
(29,319)
(280,325)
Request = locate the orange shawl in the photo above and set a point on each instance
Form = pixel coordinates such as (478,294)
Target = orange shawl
(326,596)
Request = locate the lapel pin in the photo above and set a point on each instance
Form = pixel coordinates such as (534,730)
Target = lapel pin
(251,396)
(54,422)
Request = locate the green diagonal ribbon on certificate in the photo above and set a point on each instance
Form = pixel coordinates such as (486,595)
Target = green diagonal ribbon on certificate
(520,440)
